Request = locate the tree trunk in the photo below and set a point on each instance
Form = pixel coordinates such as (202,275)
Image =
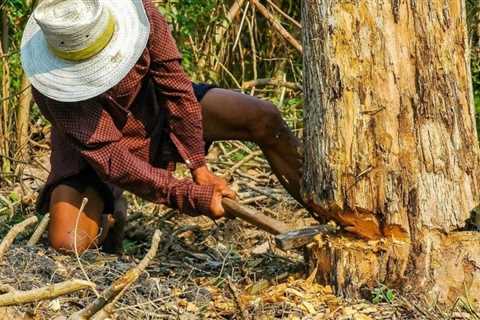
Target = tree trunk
(391,146)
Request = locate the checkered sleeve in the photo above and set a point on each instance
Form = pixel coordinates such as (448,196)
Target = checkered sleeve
(91,129)
(185,113)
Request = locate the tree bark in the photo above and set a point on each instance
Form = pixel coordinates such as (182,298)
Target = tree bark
(391,148)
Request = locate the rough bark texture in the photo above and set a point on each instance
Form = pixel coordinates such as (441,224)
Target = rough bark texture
(390,138)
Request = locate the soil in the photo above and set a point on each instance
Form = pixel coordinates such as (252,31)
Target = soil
(203,270)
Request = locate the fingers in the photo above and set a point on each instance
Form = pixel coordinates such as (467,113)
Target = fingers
(216,209)
(228,193)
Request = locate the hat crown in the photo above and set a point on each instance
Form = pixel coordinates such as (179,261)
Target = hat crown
(71,25)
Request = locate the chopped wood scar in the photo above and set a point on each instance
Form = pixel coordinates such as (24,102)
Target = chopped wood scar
(362,223)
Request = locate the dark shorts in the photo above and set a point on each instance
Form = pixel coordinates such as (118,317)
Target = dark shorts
(89,178)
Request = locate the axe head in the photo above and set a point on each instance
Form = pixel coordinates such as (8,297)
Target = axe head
(298,238)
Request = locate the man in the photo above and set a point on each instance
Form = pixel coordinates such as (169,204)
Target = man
(107,75)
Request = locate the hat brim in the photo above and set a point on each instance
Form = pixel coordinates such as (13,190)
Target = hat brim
(70,81)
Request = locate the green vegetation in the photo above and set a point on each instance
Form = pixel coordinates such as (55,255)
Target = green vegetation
(473,8)
(230,56)
(382,294)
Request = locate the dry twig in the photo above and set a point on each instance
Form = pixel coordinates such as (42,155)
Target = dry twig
(39,231)
(13,233)
(264,11)
(239,164)
(120,284)
(286,16)
(82,207)
(44,293)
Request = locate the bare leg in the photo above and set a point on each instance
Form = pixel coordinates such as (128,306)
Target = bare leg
(92,226)
(228,115)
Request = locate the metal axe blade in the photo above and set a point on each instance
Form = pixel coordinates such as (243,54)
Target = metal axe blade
(298,238)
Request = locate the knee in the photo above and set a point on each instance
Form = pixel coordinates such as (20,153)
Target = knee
(268,124)
(66,242)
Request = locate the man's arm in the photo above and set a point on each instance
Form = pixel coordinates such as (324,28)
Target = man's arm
(185,113)
(93,132)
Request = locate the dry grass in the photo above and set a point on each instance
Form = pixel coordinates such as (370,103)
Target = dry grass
(204,270)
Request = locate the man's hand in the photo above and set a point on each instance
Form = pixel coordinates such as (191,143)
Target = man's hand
(203,176)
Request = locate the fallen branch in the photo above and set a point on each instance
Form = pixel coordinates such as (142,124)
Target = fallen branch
(120,284)
(39,231)
(252,200)
(44,293)
(13,233)
(268,193)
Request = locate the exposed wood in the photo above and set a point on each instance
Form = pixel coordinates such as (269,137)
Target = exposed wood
(124,281)
(391,147)
(354,267)
(44,293)
(258,219)
(13,233)
(37,234)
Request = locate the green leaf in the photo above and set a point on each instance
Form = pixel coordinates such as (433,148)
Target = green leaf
(14,197)
(389,296)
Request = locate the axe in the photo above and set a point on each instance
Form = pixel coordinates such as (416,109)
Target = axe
(285,238)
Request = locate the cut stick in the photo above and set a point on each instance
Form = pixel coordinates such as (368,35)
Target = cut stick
(39,231)
(44,293)
(13,233)
(120,284)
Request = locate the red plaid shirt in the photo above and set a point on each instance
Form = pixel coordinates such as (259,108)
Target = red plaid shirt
(131,134)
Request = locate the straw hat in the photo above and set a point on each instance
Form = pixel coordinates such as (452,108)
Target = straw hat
(74,50)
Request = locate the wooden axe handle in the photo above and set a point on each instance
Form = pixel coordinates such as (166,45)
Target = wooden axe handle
(232,208)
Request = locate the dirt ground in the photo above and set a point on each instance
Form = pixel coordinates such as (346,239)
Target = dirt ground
(203,270)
